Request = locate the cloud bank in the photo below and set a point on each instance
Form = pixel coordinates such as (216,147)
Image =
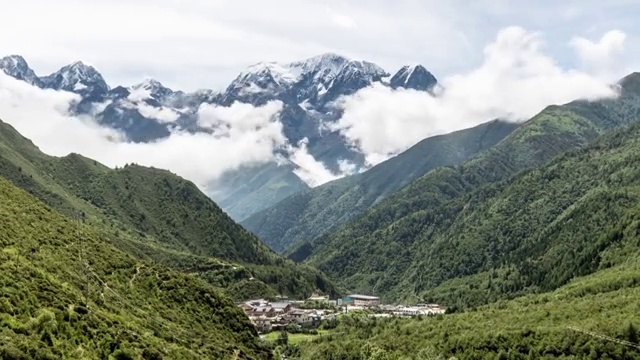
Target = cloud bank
(602,58)
(515,81)
(310,170)
(249,135)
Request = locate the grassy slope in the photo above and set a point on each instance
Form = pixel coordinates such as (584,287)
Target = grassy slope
(48,264)
(156,216)
(416,239)
(530,327)
(307,215)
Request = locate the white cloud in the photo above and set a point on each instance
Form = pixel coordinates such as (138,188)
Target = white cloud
(241,118)
(515,81)
(310,170)
(341,20)
(161,114)
(603,57)
(347,167)
(42,116)
(137,94)
(136,101)
(241,135)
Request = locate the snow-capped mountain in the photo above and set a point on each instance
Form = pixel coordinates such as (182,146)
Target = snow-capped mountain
(17,67)
(151,89)
(308,89)
(79,78)
(415,77)
(316,81)
(144,112)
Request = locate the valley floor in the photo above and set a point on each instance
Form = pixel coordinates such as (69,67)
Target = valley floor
(594,317)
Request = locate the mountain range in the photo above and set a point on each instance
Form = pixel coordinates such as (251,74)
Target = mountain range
(308,90)
(533,244)
(302,217)
(528,213)
(526,229)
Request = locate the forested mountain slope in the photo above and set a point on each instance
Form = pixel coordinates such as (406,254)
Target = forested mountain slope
(532,232)
(549,326)
(157,216)
(67,292)
(305,216)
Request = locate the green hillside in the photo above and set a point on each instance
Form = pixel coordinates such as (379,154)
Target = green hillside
(67,292)
(467,235)
(307,215)
(251,189)
(546,326)
(156,216)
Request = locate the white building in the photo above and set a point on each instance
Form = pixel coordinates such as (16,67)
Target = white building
(364,300)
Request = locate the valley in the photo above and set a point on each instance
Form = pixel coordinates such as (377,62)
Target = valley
(320,206)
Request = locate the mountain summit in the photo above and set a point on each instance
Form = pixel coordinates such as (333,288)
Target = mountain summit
(79,78)
(415,77)
(151,88)
(16,66)
(313,81)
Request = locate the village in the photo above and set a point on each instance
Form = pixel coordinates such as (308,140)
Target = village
(282,313)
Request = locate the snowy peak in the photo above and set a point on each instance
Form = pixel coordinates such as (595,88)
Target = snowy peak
(370,68)
(310,79)
(265,74)
(353,76)
(78,77)
(322,68)
(415,77)
(322,61)
(268,75)
(151,88)
(16,66)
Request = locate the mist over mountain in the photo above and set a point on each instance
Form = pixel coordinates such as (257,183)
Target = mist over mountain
(297,180)
(299,100)
(317,119)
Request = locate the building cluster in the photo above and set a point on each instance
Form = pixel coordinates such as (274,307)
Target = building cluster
(269,316)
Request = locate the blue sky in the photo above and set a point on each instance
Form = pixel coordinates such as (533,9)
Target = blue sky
(189,44)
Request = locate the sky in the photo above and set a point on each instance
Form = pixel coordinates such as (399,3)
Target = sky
(192,44)
(494,59)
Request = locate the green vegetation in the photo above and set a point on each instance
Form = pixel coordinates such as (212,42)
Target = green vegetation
(157,217)
(250,189)
(67,292)
(293,339)
(493,228)
(530,327)
(307,215)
